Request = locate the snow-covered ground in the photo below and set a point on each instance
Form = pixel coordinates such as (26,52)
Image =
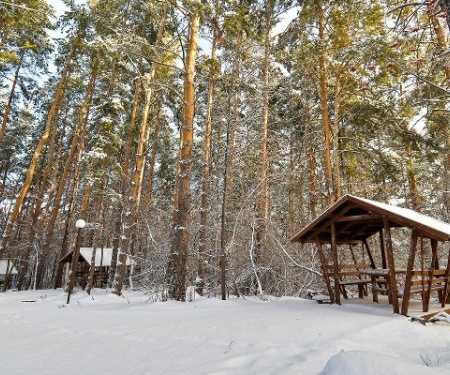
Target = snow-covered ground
(106,334)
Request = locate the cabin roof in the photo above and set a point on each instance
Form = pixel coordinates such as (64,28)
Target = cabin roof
(356,219)
(4,266)
(101,258)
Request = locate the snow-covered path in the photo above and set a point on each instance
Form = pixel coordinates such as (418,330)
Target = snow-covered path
(107,334)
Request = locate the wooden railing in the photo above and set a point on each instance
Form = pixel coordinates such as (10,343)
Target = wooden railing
(350,275)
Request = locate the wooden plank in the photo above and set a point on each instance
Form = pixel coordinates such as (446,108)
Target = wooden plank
(330,219)
(326,277)
(363,229)
(427,317)
(349,273)
(360,218)
(431,282)
(390,259)
(409,272)
(354,282)
(383,251)
(426,302)
(350,266)
(369,253)
(446,288)
(336,263)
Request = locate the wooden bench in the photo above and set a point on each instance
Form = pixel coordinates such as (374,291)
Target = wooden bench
(426,282)
(350,275)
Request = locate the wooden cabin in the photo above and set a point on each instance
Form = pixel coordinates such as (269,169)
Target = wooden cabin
(7,271)
(103,257)
(382,248)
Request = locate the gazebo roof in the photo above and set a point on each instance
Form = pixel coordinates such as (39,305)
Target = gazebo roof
(356,219)
(5,266)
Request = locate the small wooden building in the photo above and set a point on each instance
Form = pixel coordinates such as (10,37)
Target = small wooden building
(103,257)
(7,271)
(354,239)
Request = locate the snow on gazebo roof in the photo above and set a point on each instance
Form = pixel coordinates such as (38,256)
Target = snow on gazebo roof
(413,216)
(358,218)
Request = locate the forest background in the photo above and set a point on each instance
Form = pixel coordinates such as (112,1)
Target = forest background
(194,139)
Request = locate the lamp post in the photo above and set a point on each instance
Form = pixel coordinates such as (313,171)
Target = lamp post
(80,224)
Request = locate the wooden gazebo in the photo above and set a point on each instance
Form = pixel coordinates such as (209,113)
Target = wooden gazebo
(356,248)
(102,264)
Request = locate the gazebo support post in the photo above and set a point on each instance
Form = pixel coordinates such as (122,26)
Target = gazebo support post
(323,263)
(390,260)
(336,264)
(409,272)
(426,301)
(447,275)
(383,251)
(369,253)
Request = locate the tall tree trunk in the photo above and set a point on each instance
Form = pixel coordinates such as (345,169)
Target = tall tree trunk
(235,119)
(336,140)
(223,220)
(74,264)
(123,191)
(42,190)
(292,188)
(441,38)
(11,97)
(262,208)
(98,242)
(138,174)
(324,109)
(311,163)
(181,223)
(412,179)
(411,172)
(58,266)
(113,75)
(37,152)
(151,169)
(206,184)
(77,143)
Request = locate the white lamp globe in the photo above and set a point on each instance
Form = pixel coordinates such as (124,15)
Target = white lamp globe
(80,223)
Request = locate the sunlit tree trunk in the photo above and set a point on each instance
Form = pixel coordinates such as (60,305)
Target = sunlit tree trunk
(70,204)
(83,216)
(441,38)
(138,174)
(76,144)
(411,174)
(131,221)
(206,184)
(293,187)
(235,117)
(98,242)
(324,109)
(11,97)
(181,224)
(42,191)
(311,162)
(336,140)
(37,152)
(263,208)
(124,183)
(151,169)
